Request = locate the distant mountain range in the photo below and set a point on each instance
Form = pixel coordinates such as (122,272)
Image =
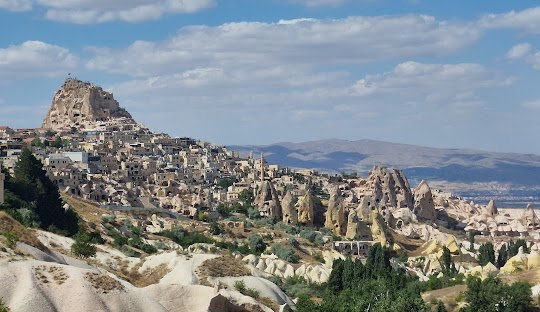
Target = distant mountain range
(510,176)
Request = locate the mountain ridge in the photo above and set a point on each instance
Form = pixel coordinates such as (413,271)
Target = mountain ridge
(472,172)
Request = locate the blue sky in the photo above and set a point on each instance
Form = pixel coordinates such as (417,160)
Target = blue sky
(434,73)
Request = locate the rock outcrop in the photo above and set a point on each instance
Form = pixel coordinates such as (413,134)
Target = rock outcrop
(528,217)
(306,210)
(424,205)
(491,209)
(80,105)
(290,215)
(335,214)
(267,200)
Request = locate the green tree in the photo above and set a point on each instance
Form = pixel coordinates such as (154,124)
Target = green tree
(225,183)
(58,143)
(486,254)
(82,246)
(513,248)
(502,257)
(37,142)
(440,307)
(348,278)
(492,295)
(335,281)
(31,185)
(378,261)
(447,264)
(246,197)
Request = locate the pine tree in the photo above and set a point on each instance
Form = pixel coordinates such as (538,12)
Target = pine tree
(441,307)
(502,256)
(447,264)
(335,281)
(486,254)
(31,184)
(348,280)
(378,261)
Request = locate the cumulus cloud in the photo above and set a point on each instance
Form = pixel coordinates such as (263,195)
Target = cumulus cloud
(525,52)
(352,40)
(431,80)
(528,19)
(35,58)
(449,87)
(100,11)
(302,74)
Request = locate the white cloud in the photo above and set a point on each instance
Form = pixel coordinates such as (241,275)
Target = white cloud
(525,52)
(16,5)
(412,78)
(100,11)
(519,51)
(534,105)
(35,58)
(528,19)
(319,3)
(411,85)
(352,40)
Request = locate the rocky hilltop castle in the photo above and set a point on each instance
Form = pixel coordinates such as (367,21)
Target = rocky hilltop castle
(83,105)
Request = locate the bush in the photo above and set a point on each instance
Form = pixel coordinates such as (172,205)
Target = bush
(82,246)
(253,213)
(285,253)
(3,306)
(289,229)
(11,237)
(161,245)
(256,243)
(298,286)
(240,286)
(215,229)
(234,247)
(185,239)
(149,249)
(312,236)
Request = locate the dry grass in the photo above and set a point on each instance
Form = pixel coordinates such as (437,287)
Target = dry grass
(88,211)
(148,277)
(446,295)
(103,283)
(225,265)
(410,246)
(54,273)
(270,303)
(22,233)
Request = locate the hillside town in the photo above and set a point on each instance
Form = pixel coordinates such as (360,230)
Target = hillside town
(98,156)
(92,149)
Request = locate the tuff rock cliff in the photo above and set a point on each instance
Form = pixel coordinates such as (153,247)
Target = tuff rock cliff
(80,105)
